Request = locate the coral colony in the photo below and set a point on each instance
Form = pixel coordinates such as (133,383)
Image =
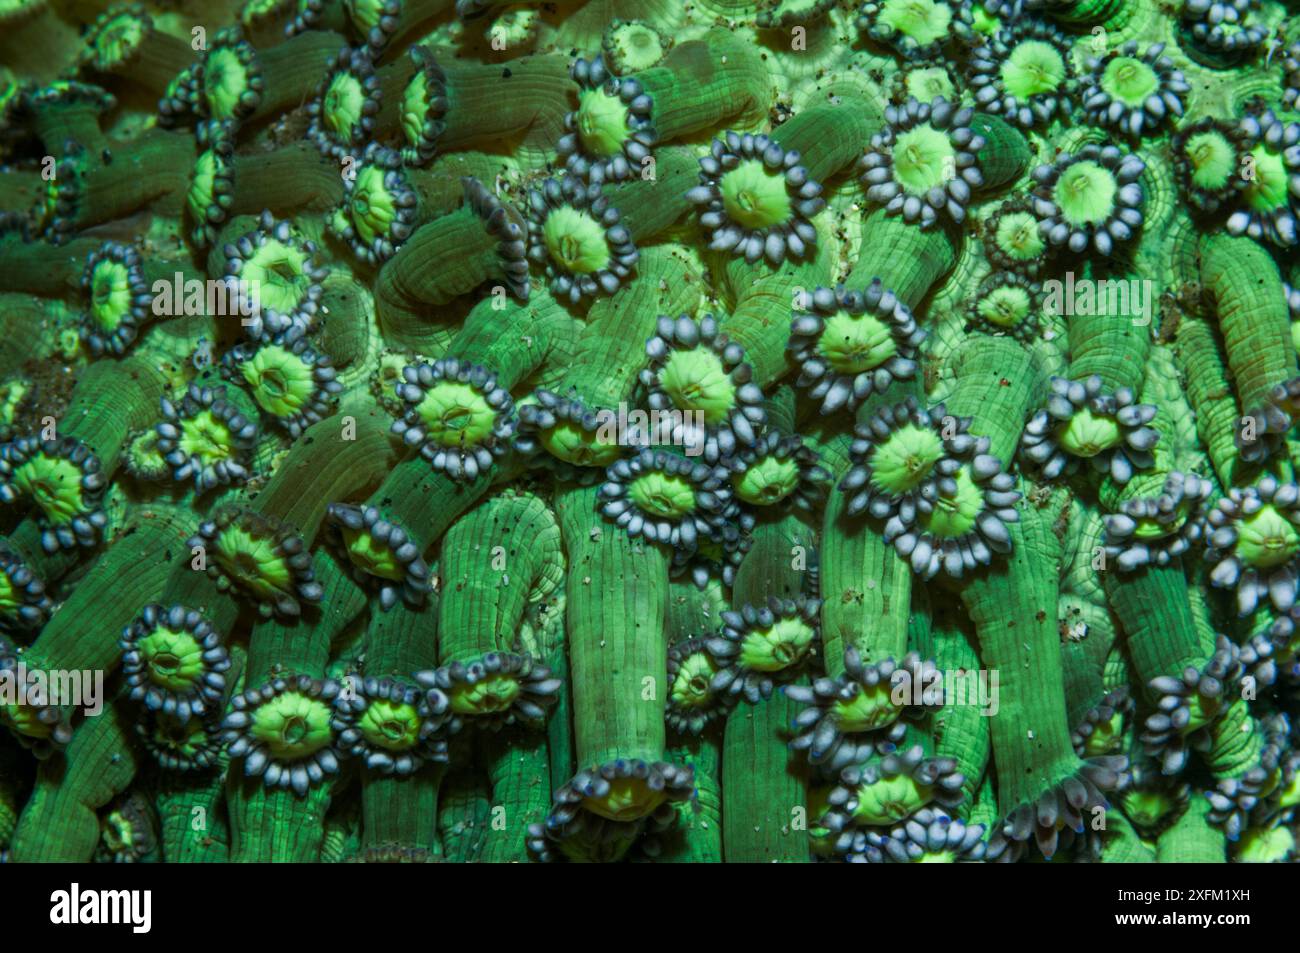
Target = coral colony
(649,430)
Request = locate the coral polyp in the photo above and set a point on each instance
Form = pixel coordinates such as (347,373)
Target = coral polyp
(1090,198)
(923,163)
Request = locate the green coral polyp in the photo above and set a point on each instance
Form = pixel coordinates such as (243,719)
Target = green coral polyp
(932,478)
(1005,307)
(691,688)
(1267,190)
(1253,537)
(1148,529)
(609,136)
(366,15)
(116,39)
(602,122)
(207,439)
(777,647)
(1085,194)
(925,22)
(371,557)
(852,344)
(754,197)
(1129,80)
(1084,423)
(179,745)
(868,710)
(64,480)
(379,551)
(174,659)
(923,160)
(225,87)
(1106,736)
(843,326)
(291,383)
(391,726)
(371,207)
(180,100)
(488,696)
(281,382)
(174,662)
(1266,538)
(491,691)
(456,415)
(514,28)
(888,791)
(415,107)
(984,18)
(253,562)
(572,444)
(1020,69)
(1213,159)
(768,482)
(53,484)
(111,295)
(119,835)
(1033,68)
(143,460)
(1274,845)
(58,196)
(1134,90)
(663,495)
(1148,809)
(118,297)
(292,726)
(633,45)
(25,720)
(700,389)
(422,110)
(628,799)
(203,184)
(1270,200)
(905,460)
(1092,197)
(13,395)
(890,800)
(343,113)
(1087,434)
(279,273)
(929,82)
(762,645)
(1204,710)
(697,380)
(575,241)
(344,100)
(1017,236)
(955,514)
(211,189)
